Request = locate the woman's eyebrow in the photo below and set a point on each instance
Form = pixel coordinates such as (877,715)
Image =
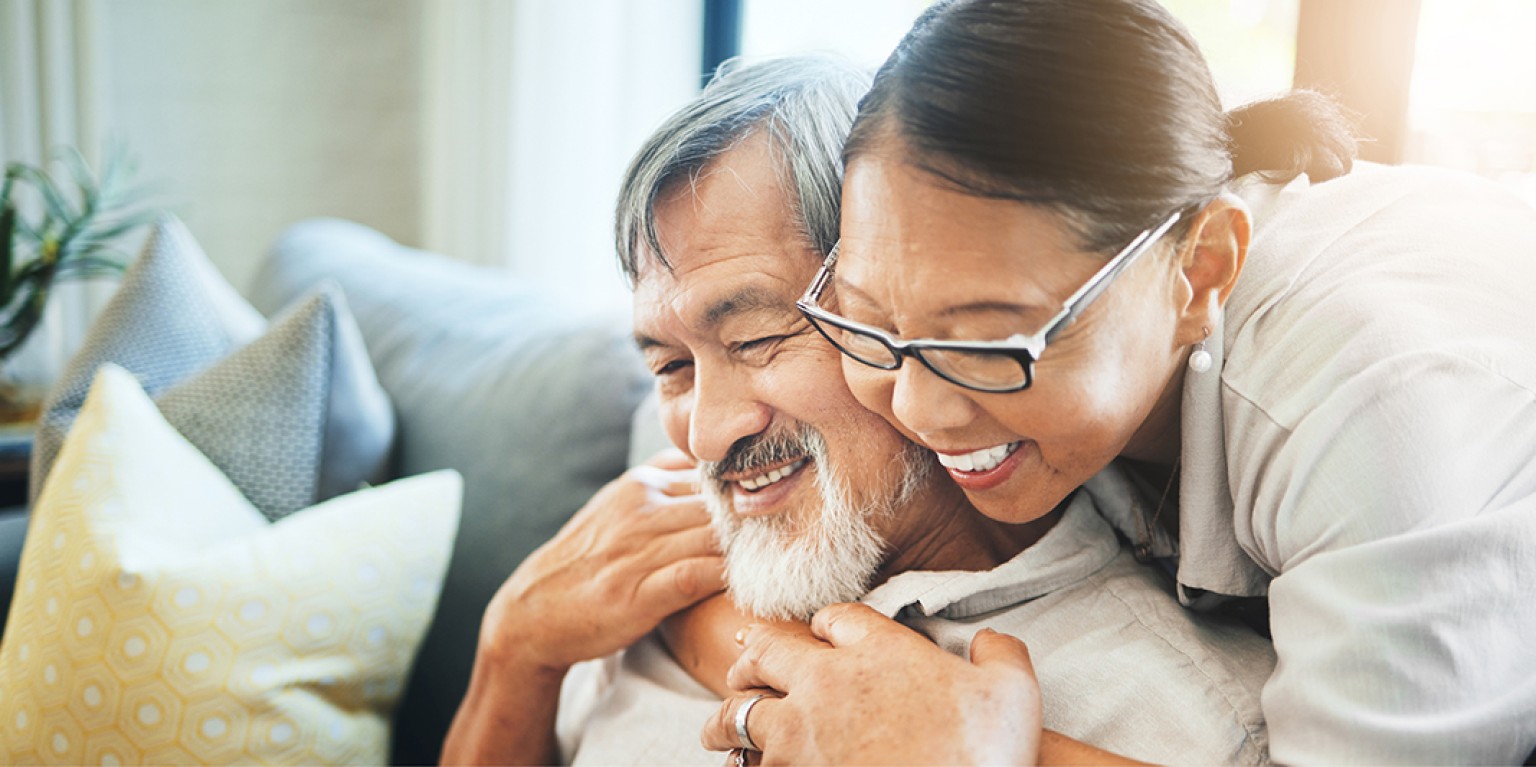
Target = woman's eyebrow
(971,307)
(990,307)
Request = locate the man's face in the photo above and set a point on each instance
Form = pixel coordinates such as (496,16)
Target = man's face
(803,481)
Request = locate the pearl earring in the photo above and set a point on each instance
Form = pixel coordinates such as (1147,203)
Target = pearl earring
(1200,359)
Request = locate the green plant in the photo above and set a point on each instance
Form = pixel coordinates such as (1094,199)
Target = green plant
(73,235)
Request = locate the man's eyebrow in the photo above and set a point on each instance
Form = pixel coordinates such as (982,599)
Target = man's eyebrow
(748,299)
(646,343)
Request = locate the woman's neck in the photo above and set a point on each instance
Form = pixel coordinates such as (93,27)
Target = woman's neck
(1157,440)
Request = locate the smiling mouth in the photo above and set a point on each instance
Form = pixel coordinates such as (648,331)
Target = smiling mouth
(772,477)
(978,461)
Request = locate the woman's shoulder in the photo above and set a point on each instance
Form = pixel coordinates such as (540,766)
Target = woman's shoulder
(1385,262)
(1403,215)
(1380,326)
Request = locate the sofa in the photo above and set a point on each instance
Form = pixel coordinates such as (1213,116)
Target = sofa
(530,401)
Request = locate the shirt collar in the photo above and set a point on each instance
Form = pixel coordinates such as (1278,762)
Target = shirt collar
(1078,545)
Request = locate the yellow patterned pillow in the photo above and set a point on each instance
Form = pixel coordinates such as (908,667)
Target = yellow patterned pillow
(160,619)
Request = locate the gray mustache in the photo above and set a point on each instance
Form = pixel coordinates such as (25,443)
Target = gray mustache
(764,450)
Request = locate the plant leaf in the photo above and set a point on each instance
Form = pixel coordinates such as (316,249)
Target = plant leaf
(57,205)
(7,243)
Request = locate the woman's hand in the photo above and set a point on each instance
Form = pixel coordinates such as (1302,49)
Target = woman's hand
(865,689)
(640,550)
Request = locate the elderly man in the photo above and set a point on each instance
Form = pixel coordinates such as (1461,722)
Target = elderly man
(723,219)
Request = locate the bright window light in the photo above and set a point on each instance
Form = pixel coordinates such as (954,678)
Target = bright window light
(1250,45)
(866,31)
(1472,99)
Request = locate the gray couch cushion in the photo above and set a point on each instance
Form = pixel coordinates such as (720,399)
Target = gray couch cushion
(529,401)
(646,435)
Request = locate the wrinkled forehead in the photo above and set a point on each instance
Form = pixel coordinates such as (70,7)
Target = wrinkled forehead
(731,242)
(703,294)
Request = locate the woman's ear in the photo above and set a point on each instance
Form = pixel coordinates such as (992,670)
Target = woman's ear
(1213,257)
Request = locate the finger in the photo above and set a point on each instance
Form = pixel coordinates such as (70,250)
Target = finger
(847,624)
(680,584)
(719,732)
(664,514)
(671,458)
(664,548)
(774,658)
(989,648)
(666,481)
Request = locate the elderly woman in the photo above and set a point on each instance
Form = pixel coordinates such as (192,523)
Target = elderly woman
(1057,252)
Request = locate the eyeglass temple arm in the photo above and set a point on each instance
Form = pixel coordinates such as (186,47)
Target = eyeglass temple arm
(823,276)
(1077,302)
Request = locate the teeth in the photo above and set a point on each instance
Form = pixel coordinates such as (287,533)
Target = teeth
(985,459)
(760,482)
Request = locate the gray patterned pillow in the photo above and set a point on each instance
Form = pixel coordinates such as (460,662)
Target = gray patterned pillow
(293,418)
(173,315)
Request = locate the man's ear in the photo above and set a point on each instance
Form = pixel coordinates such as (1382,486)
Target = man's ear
(1212,259)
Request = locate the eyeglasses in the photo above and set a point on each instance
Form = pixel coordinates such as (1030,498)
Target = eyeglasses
(986,366)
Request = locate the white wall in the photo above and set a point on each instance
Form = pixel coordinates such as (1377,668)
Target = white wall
(256,113)
(495,131)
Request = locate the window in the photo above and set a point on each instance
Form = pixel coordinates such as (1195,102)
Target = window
(1472,96)
(1441,82)
(865,31)
(1250,45)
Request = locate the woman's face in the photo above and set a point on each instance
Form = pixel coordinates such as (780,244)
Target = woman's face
(921,260)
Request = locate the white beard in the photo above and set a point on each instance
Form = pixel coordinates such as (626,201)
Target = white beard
(777,568)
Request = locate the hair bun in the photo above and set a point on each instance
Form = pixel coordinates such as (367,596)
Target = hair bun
(1281,138)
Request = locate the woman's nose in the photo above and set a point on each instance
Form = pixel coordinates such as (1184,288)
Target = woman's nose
(926,404)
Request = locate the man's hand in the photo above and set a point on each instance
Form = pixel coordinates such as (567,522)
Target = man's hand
(640,550)
(865,689)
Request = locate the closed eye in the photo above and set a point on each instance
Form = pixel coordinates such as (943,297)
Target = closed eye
(758,343)
(673,367)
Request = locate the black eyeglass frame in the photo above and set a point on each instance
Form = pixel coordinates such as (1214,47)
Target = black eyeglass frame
(1022,349)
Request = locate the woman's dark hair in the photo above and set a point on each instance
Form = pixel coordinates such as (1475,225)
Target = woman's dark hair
(1103,109)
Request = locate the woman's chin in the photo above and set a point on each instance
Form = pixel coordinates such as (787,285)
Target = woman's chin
(1025,496)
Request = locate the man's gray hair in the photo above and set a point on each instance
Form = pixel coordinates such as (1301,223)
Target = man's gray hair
(805,104)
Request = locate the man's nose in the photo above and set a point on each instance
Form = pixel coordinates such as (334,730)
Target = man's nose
(725,409)
(926,404)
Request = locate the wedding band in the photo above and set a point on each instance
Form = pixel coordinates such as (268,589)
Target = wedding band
(741,722)
(739,757)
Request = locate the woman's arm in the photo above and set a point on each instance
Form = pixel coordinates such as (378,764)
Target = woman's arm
(640,550)
(702,640)
(705,639)
(1400,512)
